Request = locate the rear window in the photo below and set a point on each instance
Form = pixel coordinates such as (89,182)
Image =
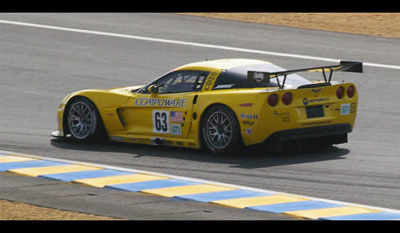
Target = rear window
(237,78)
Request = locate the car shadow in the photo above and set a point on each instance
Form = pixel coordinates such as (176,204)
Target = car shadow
(248,157)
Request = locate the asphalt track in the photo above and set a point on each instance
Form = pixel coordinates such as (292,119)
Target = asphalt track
(39,66)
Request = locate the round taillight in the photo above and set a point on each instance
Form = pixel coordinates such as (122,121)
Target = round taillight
(273,100)
(340,92)
(350,91)
(287,98)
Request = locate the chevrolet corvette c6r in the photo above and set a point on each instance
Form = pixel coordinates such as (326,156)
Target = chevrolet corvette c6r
(218,105)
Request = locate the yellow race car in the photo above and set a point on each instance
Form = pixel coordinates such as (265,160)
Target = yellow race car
(219,105)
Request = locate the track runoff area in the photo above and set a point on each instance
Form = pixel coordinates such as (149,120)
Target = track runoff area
(208,192)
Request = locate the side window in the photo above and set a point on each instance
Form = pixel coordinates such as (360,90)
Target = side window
(200,81)
(181,81)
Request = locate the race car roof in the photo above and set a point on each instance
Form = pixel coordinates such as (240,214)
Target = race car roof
(222,64)
(235,70)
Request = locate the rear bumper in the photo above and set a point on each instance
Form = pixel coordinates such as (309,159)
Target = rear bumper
(313,132)
(334,134)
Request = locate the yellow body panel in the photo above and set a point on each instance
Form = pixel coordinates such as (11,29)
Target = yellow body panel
(130,117)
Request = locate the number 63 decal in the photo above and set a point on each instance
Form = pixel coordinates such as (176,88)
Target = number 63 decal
(160,121)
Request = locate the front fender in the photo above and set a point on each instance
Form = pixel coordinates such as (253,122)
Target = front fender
(107,102)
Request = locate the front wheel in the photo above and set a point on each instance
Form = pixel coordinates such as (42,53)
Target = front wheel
(220,130)
(83,120)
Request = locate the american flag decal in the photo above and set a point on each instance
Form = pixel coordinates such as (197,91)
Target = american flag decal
(176,116)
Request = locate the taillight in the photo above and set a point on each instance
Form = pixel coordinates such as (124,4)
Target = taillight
(340,92)
(273,100)
(350,91)
(287,98)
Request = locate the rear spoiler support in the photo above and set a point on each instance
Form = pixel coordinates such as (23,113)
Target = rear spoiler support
(345,66)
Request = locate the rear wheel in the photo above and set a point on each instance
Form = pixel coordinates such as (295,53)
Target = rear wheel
(83,120)
(220,130)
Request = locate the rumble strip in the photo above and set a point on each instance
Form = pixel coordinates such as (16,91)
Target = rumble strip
(189,189)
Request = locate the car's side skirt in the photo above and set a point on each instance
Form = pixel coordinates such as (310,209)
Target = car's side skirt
(154,140)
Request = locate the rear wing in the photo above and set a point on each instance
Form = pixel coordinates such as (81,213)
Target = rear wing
(346,66)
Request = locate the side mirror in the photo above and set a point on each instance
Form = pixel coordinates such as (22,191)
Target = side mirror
(153,89)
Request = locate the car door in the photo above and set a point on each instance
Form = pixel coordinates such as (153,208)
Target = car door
(166,111)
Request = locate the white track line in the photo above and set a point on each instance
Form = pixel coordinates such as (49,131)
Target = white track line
(192,44)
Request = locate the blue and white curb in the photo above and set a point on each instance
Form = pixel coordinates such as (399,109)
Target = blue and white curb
(132,180)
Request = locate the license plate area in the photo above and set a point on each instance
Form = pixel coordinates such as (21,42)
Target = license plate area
(315,111)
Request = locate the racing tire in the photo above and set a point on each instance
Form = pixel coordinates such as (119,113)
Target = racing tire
(220,130)
(83,121)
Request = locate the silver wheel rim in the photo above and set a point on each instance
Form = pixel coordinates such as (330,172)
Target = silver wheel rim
(218,130)
(81,120)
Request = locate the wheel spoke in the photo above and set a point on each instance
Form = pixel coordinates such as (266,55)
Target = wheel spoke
(74,111)
(74,117)
(78,109)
